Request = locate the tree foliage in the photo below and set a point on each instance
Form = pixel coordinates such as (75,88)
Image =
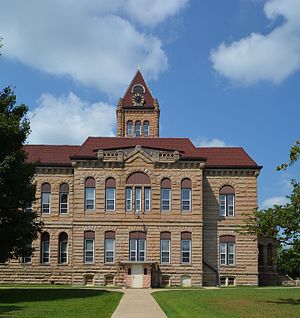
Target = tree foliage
(294,156)
(280,222)
(17,192)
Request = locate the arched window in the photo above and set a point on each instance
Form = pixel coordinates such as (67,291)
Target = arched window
(110,238)
(270,254)
(110,194)
(227,250)
(90,189)
(137,246)
(138,184)
(186,195)
(186,247)
(165,247)
(63,198)
(45,248)
(89,242)
(46,198)
(138,128)
(165,195)
(226,199)
(63,248)
(138,89)
(129,128)
(146,128)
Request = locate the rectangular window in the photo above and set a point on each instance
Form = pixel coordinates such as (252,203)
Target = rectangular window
(45,252)
(226,204)
(222,205)
(133,250)
(89,198)
(147,199)
(46,202)
(89,250)
(165,251)
(186,199)
(137,250)
(110,196)
(141,250)
(63,257)
(138,199)
(227,253)
(230,204)
(63,203)
(186,251)
(109,250)
(128,199)
(165,203)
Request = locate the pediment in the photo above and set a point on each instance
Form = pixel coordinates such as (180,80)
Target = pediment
(138,155)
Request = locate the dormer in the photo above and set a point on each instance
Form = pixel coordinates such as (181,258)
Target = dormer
(138,111)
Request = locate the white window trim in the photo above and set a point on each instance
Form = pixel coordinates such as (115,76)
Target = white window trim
(190,200)
(145,200)
(128,199)
(43,252)
(161,252)
(94,199)
(114,208)
(49,204)
(113,250)
(133,250)
(226,210)
(169,200)
(60,252)
(136,199)
(85,250)
(60,203)
(227,254)
(190,252)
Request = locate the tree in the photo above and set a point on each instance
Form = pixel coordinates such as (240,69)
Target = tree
(18,228)
(282,224)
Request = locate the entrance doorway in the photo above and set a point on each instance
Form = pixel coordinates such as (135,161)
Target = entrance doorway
(137,275)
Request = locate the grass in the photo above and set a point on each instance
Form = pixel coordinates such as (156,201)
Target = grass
(231,303)
(57,302)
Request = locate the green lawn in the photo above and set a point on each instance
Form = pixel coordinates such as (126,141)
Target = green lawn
(231,303)
(57,302)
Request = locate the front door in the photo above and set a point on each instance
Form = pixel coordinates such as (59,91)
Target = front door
(137,275)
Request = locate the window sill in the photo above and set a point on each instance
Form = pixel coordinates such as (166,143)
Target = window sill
(109,264)
(89,263)
(63,214)
(226,266)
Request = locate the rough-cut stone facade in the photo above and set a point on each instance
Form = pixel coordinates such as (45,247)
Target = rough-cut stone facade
(158,158)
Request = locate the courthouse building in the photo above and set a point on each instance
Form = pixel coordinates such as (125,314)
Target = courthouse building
(137,210)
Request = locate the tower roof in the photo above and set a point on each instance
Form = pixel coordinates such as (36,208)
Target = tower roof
(138,79)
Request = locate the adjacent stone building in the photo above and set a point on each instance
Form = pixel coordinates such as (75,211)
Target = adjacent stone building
(138,210)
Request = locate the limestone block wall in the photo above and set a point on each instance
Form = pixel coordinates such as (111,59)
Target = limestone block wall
(245,270)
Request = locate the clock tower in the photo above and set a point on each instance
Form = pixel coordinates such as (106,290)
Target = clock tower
(138,111)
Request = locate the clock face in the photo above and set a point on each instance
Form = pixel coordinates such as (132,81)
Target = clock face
(138,99)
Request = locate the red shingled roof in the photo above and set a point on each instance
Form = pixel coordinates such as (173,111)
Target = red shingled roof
(138,79)
(60,155)
(56,155)
(226,157)
(92,144)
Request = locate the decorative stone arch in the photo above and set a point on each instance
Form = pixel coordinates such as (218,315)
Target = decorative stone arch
(228,182)
(91,175)
(131,170)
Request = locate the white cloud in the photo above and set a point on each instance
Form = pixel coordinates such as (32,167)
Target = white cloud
(69,120)
(268,203)
(258,57)
(205,142)
(98,43)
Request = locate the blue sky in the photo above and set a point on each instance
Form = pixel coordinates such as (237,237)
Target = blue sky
(226,73)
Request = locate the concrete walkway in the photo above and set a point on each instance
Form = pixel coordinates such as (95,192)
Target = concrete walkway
(138,303)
